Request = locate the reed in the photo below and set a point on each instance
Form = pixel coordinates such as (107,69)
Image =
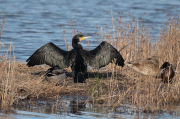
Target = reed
(147,94)
(117,85)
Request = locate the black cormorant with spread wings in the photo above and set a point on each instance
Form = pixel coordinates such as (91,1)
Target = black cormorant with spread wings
(77,58)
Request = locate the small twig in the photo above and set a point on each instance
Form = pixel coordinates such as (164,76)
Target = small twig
(123,48)
(2,28)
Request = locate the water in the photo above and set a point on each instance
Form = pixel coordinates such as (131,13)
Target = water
(68,108)
(31,24)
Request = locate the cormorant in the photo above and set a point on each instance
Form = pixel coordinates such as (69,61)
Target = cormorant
(77,58)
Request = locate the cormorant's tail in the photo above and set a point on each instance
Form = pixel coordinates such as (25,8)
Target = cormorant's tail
(80,77)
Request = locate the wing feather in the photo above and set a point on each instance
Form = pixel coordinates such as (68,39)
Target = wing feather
(51,55)
(103,55)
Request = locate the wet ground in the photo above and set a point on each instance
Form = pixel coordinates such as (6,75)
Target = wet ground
(69,107)
(31,24)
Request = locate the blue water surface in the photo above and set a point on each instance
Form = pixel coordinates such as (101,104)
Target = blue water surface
(31,24)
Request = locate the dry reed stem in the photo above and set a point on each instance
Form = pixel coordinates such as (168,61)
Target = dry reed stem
(123,86)
(149,94)
(2,28)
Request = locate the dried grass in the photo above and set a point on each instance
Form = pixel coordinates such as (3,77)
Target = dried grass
(121,86)
(147,94)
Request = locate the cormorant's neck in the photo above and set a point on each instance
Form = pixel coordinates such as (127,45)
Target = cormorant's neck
(76,45)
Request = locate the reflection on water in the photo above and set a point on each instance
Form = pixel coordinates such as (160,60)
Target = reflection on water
(31,24)
(77,107)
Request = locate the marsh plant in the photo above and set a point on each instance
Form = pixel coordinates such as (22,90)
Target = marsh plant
(123,86)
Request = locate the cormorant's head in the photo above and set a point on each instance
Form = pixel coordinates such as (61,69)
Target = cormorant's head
(79,37)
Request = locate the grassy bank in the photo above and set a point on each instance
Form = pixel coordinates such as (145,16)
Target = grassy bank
(111,87)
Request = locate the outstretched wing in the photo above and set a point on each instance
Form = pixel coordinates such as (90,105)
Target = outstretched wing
(103,55)
(52,55)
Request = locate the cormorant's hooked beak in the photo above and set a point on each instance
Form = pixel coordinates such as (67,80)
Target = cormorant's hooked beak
(83,37)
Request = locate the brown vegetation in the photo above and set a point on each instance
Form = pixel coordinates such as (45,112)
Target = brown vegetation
(114,86)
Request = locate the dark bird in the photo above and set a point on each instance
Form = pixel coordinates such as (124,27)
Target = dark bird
(150,67)
(77,58)
(167,72)
(55,75)
(54,71)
